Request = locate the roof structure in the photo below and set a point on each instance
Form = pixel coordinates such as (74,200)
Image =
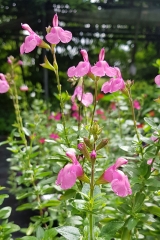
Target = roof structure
(108,19)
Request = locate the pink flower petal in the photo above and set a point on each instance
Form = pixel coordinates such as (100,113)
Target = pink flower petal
(157,80)
(4,86)
(116,84)
(55,20)
(87,99)
(102,54)
(30,44)
(82,69)
(120,161)
(64,36)
(110,71)
(22,48)
(53,37)
(66,177)
(71,154)
(106,87)
(120,184)
(71,71)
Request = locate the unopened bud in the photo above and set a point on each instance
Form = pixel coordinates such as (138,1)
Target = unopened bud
(48,29)
(102,144)
(83,148)
(96,130)
(88,143)
(93,155)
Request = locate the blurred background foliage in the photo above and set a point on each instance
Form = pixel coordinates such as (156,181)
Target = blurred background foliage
(128,29)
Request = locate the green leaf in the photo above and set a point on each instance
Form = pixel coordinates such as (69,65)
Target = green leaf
(47,64)
(50,203)
(110,229)
(139,199)
(68,194)
(126,234)
(75,220)
(30,229)
(26,131)
(29,238)
(5,212)
(12,228)
(39,233)
(24,207)
(23,195)
(70,233)
(154,210)
(50,234)
(4,142)
(2,197)
(60,127)
(42,174)
(150,123)
(131,223)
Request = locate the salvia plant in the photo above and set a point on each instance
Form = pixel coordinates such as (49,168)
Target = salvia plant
(87,172)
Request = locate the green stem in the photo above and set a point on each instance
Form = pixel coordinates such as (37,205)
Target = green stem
(14,95)
(94,108)
(119,119)
(134,120)
(91,220)
(60,96)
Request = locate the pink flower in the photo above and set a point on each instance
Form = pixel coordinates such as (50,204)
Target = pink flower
(31,41)
(9,60)
(74,107)
(101,113)
(20,62)
(57,117)
(157,80)
(113,106)
(4,86)
(42,140)
(77,116)
(57,34)
(149,162)
(136,104)
(68,175)
(83,67)
(100,68)
(154,138)
(114,84)
(54,136)
(85,98)
(119,181)
(24,88)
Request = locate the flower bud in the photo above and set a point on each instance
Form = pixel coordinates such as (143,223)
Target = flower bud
(88,143)
(93,155)
(102,144)
(83,148)
(96,130)
(48,29)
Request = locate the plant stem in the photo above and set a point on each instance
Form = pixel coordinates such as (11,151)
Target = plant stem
(60,96)
(134,120)
(91,220)
(94,108)
(14,95)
